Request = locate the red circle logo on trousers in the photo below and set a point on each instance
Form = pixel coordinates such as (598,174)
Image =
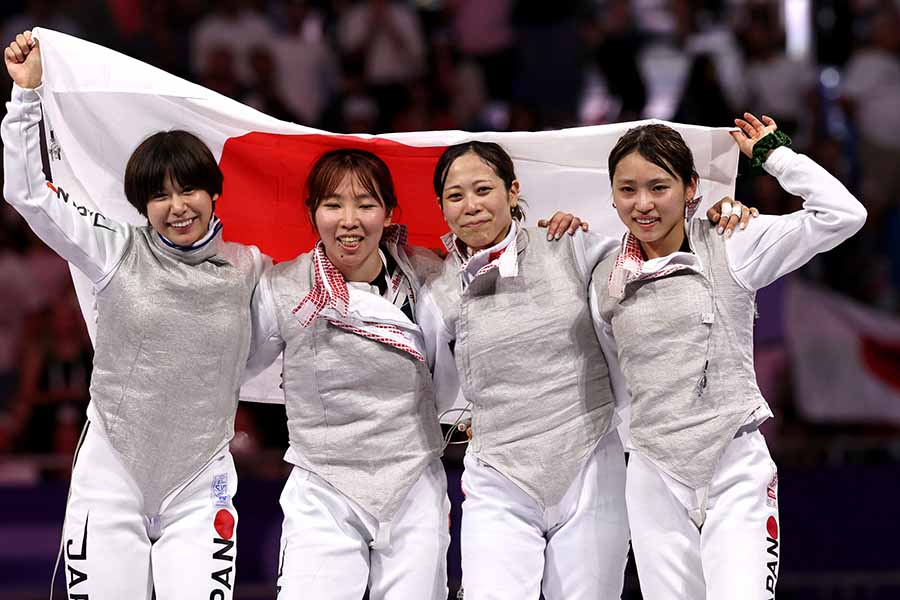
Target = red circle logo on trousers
(772,527)
(224,524)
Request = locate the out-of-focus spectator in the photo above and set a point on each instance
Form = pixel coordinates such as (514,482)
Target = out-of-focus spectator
(16,303)
(220,72)
(422,111)
(548,84)
(234,25)
(49,274)
(264,95)
(306,75)
(777,85)
(40,13)
(702,29)
(703,101)
(614,43)
(387,39)
(457,90)
(697,28)
(483,32)
(53,391)
(359,113)
(355,110)
(163,39)
(871,93)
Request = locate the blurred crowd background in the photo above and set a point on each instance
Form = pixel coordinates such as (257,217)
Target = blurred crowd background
(828,71)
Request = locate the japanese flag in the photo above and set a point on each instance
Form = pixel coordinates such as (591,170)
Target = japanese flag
(99,105)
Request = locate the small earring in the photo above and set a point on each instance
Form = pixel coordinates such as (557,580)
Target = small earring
(613,204)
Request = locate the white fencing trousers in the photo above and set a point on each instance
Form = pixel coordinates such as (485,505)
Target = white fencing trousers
(576,550)
(114,550)
(736,552)
(329,549)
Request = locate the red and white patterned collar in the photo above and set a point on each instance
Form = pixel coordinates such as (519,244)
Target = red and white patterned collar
(629,266)
(502,256)
(330,291)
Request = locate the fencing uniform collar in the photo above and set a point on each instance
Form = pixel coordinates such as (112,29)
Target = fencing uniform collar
(631,265)
(196,253)
(502,256)
(358,311)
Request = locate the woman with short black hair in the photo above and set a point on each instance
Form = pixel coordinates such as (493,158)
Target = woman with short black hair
(150,504)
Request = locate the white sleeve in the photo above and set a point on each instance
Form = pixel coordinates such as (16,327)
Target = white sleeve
(261,263)
(590,249)
(774,246)
(266,343)
(447,390)
(610,352)
(85,238)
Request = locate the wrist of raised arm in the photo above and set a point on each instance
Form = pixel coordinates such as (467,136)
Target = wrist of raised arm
(24,95)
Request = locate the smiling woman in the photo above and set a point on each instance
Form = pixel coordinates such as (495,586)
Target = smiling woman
(168,294)
(478,192)
(351,199)
(653,183)
(173,179)
(366,503)
(679,303)
(507,322)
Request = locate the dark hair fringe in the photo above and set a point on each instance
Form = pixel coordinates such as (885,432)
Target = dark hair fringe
(659,144)
(330,169)
(177,154)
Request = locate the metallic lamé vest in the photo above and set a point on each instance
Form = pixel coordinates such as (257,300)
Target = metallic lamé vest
(361,414)
(663,328)
(173,333)
(530,363)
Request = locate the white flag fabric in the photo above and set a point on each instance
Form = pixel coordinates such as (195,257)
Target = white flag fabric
(845,358)
(99,105)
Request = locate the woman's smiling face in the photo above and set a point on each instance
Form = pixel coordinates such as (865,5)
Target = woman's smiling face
(650,202)
(350,222)
(476,203)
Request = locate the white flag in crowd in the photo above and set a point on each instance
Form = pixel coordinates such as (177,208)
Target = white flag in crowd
(845,358)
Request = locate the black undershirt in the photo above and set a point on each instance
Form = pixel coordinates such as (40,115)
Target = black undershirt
(382,281)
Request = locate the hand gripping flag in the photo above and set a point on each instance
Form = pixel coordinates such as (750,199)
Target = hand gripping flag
(99,105)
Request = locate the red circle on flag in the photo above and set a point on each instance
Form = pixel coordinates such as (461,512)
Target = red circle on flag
(772,527)
(224,524)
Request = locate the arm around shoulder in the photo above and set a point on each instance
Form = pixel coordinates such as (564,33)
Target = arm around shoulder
(266,342)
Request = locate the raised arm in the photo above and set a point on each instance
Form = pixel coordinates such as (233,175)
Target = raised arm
(85,238)
(775,246)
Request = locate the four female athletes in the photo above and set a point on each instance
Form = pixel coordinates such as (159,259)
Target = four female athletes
(530,331)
